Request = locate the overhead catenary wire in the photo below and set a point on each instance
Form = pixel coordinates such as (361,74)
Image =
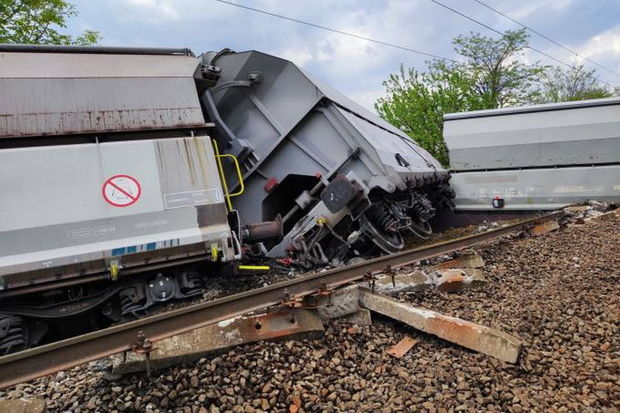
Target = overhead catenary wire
(356,36)
(545,37)
(445,6)
(393,45)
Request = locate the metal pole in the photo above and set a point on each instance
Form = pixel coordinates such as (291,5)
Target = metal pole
(32,48)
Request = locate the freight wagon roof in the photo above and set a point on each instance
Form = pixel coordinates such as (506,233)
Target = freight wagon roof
(53,90)
(37,48)
(532,108)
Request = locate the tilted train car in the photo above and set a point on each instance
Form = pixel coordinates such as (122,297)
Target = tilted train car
(536,157)
(345,182)
(114,197)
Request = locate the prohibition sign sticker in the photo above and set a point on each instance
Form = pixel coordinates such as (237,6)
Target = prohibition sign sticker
(121,190)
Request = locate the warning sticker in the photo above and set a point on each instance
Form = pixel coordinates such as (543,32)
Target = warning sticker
(121,190)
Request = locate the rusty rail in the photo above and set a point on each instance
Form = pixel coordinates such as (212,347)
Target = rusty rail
(39,361)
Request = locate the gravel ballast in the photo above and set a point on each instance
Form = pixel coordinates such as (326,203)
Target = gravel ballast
(558,292)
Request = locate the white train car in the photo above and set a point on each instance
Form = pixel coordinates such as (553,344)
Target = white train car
(108,180)
(537,157)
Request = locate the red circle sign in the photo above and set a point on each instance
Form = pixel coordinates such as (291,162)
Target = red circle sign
(121,190)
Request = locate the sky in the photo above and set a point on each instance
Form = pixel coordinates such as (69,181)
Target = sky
(356,67)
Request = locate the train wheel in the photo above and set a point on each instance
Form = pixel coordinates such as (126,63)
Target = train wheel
(388,242)
(421,229)
(13,334)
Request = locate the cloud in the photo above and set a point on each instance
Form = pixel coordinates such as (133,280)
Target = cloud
(355,67)
(300,57)
(528,8)
(154,10)
(603,48)
(603,44)
(367,97)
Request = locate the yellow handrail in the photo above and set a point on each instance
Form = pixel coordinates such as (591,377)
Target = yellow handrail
(219,157)
(239,176)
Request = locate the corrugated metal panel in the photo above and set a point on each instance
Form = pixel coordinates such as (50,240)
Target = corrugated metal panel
(61,94)
(535,189)
(175,199)
(573,135)
(64,65)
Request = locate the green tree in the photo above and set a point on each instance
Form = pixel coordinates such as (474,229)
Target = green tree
(40,22)
(500,78)
(575,83)
(416,102)
(490,76)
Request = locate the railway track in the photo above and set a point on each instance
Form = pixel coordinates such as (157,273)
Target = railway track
(140,334)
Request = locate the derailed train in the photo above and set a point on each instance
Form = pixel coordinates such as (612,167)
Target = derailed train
(536,157)
(127,175)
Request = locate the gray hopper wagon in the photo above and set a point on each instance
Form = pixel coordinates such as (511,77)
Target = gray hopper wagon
(536,157)
(118,168)
(344,182)
(107,170)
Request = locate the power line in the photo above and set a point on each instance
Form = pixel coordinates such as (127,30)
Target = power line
(445,6)
(545,37)
(318,26)
(408,49)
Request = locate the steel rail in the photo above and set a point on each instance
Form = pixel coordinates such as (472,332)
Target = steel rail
(43,360)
